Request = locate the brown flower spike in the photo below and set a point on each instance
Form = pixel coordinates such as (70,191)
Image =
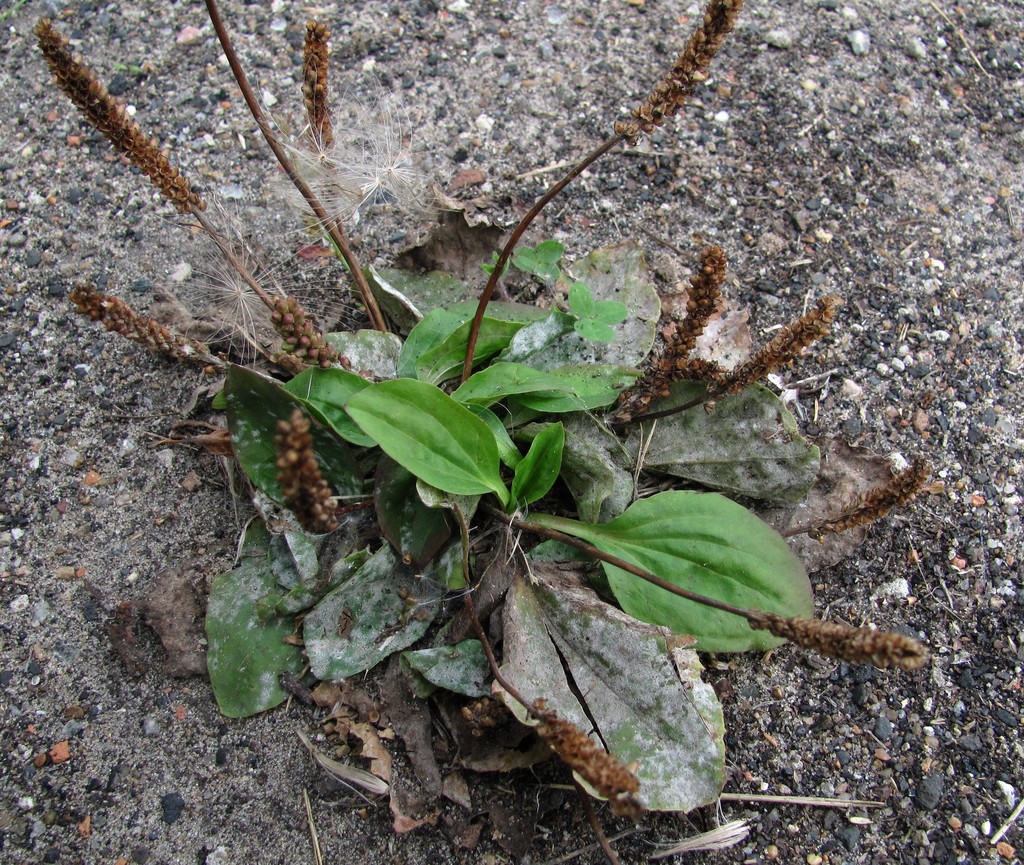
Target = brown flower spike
(675,363)
(601,770)
(303,487)
(900,490)
(785,348)
(110,117)
(690,70)
(120,318)
(883,649)
(314,84)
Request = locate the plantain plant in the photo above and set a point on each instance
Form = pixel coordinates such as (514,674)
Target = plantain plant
(558,476)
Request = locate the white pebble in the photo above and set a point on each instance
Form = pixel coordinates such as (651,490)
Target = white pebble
(915,49)
(779,38)
(484,123)
(860,42)
(722,117)
(180,272)
(19,604)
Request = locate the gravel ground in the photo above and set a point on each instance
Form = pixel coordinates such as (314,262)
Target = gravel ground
(871,150)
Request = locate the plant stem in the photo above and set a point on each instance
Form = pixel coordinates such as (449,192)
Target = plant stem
(622,564)
(331,226)
(708,395)
(595,824)
(517,234)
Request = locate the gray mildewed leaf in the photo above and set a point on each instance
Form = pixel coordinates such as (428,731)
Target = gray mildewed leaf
(642,690)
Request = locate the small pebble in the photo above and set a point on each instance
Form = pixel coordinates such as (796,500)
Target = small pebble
(860,42)
(172,804)
(929,792)
(780,38)
(915,49)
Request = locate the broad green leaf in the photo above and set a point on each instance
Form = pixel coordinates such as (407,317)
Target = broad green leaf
(429,433)
(368,351)
(255,405)
(747,444)
(446,360)
(415,531)
(308,592)
(293,558)
(707,544)
(432,497)
(595,468)
(643,693)
(610,312)
(439,324)
(461,668)
(247,652)
(541,260)
(507,451)
(539,469)
(589,386)
(373,614)
(324,391)
(500,380)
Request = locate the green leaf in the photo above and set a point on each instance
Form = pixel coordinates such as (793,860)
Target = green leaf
(541,261)
(584,386)
(500,380)
(293,558)
(324,391)
(539,469)
(707,544)
(255,405)
(610,312)
(370,616)
(594,331)
(461,668)
(747,445)
(429,433)
(507,451)
(368,351)
(247,652)
(615,273)
(416,531)
(602,670)
(581,301)
(310,591)
(446,360)
(595,468)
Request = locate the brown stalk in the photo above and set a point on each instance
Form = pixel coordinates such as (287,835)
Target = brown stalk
(331,226)
(665,100)
(908,654)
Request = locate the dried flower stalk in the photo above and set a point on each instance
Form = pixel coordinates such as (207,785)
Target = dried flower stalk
(120,318)
(303,487)
(675,362)
(315,83)
(603,771)
(876,503)
(301,338)
(690,70)
(883,649)
(110,117)
(784,348)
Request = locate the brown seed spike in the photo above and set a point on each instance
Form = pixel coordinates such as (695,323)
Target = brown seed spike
(315,54)
(110,117)
(690,69)
(883,649)
(302,485)
(120,318)
(786,347)
(601,770)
